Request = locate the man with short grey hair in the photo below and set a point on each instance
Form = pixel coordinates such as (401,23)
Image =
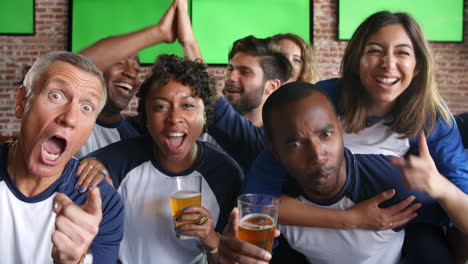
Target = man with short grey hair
(42,217)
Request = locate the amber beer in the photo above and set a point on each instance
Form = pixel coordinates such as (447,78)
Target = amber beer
(180,200)
(257,229)
(258,214)
(185,191)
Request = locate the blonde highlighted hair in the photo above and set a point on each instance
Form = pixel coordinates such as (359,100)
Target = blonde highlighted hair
(418,107)
(309,67)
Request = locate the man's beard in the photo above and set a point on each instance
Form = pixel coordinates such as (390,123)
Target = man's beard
(249,102)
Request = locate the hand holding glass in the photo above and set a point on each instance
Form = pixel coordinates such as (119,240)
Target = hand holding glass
(185,192)
(258,218)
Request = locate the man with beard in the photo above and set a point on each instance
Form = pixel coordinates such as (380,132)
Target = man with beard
(257,67)
(255,70)
(43,218)
(304,133)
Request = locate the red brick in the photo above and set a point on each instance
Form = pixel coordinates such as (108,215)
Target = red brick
(52,34)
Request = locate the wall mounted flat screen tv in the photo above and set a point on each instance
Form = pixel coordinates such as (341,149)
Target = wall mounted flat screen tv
(92,20)
(216,23)
(17,17)
(441,20)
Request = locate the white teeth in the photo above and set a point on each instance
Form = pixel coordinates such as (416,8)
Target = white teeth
(51,156)
(176,134)
(125,85)
(387,80)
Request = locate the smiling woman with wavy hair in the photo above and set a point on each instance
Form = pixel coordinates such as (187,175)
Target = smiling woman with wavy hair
(419,105)
(386,97)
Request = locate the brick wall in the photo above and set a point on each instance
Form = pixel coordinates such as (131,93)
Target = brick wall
(52,34)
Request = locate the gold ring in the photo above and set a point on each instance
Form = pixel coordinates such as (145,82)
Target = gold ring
(201,220)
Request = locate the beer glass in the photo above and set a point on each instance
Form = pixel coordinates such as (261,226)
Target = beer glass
(258,217)
(185,192)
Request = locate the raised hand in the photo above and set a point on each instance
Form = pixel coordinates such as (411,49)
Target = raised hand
(91,172)
(233,250)
(420,173)
(167,24)
(185,33)
(370,216)
(75,226)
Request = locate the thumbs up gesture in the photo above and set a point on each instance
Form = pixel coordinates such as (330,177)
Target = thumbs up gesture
(75,226)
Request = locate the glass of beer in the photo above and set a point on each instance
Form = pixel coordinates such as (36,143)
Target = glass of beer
(258,217)
(185,192)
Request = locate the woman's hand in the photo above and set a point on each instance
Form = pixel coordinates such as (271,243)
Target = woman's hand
(204,229)
(91,172)
(368,215)
(420,172)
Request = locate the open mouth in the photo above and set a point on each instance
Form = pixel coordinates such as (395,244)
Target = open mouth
(52,148)
(124,86)
(232,90)
(387,81)
(175,141)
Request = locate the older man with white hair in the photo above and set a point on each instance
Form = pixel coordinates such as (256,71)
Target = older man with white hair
(42,217)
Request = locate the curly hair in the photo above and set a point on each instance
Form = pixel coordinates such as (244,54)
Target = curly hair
(188,72)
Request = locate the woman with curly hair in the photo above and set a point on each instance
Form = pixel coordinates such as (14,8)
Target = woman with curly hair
(175,104)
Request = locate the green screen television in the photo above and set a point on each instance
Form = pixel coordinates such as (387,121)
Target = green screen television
(17,17)
(216,23)
(441,20)
(92,20)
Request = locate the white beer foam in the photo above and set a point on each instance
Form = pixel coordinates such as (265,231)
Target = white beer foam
(184,194)
(246,225)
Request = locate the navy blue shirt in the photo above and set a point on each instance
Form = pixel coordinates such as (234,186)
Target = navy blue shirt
(237,135)
(462,122)
(444,146)
(369,175)
(21,214)
(144,187)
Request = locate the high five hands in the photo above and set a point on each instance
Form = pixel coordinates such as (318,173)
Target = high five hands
(175,24)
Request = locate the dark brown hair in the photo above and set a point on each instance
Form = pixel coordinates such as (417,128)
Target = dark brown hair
(273,62)
(418,106)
